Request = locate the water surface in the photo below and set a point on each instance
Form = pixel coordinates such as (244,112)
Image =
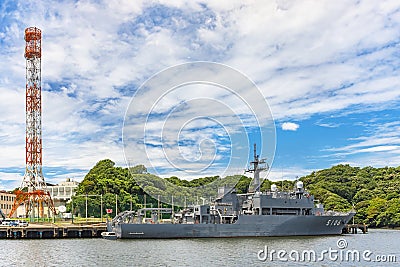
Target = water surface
(196,252)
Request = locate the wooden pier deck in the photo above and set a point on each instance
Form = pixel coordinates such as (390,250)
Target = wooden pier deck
(41,231)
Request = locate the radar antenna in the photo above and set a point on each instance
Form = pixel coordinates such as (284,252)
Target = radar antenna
(256,166)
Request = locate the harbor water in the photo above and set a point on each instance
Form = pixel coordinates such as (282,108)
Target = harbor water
(377,248)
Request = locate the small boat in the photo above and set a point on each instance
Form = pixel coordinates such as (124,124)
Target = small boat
(109,235)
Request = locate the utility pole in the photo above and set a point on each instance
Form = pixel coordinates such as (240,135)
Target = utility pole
(173,212)
(101,207)
(86,207)
(185,202)
(116,204)
(158,208)
(145,206)
(72,209)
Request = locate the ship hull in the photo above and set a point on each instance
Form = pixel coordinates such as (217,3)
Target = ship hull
(245,226)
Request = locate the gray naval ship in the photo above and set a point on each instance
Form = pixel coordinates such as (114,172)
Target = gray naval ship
(271,213)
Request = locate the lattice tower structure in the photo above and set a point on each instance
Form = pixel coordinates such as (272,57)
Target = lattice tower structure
(33,191)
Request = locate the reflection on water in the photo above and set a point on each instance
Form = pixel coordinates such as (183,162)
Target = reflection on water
(189,252)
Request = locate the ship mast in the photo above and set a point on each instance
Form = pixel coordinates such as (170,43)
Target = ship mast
(256,166)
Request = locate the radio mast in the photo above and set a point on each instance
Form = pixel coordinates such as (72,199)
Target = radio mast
(33,191)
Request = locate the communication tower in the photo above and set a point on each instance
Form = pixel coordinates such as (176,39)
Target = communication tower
(33,191)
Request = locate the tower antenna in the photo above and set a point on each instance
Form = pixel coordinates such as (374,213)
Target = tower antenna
(33,190)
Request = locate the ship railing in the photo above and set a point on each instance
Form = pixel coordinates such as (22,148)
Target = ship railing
(334,213)
(219,214)
(162,210)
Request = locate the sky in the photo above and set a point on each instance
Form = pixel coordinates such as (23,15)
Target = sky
(326,72)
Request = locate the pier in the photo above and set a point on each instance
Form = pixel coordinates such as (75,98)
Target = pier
(42,231)
(353,228)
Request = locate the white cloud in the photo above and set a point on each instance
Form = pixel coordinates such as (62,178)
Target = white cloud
(379,147)
(383,137)
(291,173)
(10,180)
(290,126)
(341,57)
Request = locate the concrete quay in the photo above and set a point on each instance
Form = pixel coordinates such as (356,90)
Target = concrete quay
(42,231)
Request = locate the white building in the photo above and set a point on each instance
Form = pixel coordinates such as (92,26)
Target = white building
(6,201)
(62,192)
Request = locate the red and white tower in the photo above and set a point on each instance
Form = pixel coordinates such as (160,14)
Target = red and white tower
(33,191)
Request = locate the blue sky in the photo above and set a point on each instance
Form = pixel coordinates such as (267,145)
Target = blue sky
(329,71)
